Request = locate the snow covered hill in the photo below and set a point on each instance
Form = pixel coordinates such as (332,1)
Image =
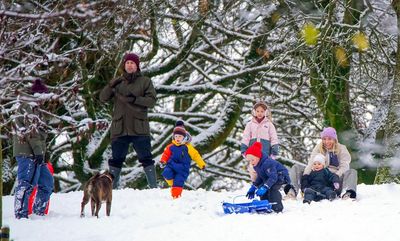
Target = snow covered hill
(152,215)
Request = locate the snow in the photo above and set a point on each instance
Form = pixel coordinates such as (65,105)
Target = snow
(152,215)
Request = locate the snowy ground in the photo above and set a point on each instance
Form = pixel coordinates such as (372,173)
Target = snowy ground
(151,215)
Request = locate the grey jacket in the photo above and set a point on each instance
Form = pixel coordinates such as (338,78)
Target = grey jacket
(133,95)
(31,137)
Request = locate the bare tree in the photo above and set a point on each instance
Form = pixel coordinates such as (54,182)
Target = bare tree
(209,60)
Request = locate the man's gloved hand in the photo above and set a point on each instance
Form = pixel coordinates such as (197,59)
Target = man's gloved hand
(262,190)
(251,192)
(127,99)
(38,159)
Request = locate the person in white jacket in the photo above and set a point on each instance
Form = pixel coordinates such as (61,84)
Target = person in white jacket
(337,159)
(260,129)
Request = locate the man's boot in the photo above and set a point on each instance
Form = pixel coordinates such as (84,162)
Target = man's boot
(150,172)
(116,172)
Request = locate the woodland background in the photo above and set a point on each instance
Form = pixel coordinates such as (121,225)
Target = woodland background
(316,63)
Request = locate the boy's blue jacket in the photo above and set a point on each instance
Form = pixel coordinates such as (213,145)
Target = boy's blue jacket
(270,172)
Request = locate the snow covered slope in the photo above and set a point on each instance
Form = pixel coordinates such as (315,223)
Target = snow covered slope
(152,215)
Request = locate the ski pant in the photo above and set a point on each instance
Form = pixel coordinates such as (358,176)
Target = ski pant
(29,175)
(274,196)
(348,180)
(178,172)
(311,194)
(141,145)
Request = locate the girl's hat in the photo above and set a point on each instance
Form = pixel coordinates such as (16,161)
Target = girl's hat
(179,129)
(329,132)
(133,57)
(254,149)
(319,158)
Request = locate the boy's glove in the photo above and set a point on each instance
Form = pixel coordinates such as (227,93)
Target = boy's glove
(336,185)
(38,159)
(251,192)
(262,190)
(162,165)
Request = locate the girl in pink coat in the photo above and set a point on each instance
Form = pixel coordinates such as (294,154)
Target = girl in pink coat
(260,128)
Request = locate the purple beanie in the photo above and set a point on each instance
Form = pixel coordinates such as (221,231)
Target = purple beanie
(329,132)
(133,57)
(39,87)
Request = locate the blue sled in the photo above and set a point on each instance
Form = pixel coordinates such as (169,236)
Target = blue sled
(255,206)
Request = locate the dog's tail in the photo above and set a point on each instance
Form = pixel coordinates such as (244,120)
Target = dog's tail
(90,184)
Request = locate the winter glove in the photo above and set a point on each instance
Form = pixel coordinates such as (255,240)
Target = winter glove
(127,99)
(251,192)
(273,157)
(333,159)
(162,165)
(336,185)
(262,190)
(38,159)
(115,82)
(275,150)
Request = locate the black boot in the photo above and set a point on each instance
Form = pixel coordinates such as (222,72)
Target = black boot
(115,171)
(150,172)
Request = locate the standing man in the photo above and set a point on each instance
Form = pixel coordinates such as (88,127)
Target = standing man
(133,94)
(29,147)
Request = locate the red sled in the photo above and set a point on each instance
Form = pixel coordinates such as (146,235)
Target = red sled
(33,194)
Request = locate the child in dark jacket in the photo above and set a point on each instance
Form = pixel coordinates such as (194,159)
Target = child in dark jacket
(177,157)
(271,175)
(320,183)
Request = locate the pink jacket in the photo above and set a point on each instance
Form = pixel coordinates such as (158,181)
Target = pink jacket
(263,132)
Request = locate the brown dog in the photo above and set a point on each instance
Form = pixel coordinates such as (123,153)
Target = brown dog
(98,189)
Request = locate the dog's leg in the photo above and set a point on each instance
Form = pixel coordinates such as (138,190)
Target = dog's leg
(92,205)
(98,206)
(85,200)
(108,207)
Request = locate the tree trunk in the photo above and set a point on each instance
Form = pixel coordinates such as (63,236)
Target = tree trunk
(385,173)
(1,180)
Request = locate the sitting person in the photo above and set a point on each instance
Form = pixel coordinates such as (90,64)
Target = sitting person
(177,157)
(337,160)
(271,175)
(320,183)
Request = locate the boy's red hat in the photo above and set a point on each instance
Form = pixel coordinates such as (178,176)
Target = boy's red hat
(255,149)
